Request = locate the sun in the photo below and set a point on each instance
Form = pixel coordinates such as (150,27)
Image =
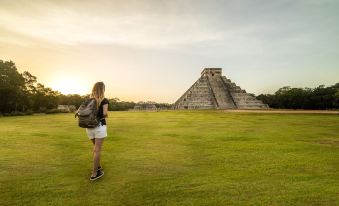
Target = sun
(67,85)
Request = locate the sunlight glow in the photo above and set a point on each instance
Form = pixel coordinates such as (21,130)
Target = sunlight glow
(67,85)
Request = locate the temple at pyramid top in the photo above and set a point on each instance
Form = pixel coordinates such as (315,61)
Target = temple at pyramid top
(211,71)
(214,91)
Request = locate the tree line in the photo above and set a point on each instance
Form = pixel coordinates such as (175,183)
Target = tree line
(21,93)
(320,97)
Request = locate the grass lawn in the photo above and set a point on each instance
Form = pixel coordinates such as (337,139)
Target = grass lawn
(173,158)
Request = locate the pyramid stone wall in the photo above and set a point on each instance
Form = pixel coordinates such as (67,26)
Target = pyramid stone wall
(198,96)
(214,91)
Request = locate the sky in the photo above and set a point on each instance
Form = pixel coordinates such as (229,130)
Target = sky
(154,50)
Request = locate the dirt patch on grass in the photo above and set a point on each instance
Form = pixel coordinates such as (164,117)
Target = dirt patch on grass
(329,142)
(283,111)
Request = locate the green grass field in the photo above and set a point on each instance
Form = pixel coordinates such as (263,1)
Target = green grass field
(173,158)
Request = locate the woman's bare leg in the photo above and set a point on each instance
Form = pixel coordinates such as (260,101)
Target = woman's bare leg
(93,141)
(96,155)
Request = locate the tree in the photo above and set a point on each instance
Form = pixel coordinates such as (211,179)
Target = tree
(320,97)
(11,86)
(116,105)
(29,90)
(44,98)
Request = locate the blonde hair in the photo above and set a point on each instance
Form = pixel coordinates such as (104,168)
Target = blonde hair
(98,92)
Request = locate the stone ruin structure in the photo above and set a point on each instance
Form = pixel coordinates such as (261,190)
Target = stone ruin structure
(67,108)
(145,106)
(214,91)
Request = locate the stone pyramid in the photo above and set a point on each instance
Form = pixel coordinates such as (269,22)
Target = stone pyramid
(214,91)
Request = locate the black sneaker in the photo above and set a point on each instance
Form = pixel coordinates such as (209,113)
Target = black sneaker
(100,168)
(99,174)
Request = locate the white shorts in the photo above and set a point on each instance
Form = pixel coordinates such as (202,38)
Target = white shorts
(97,132)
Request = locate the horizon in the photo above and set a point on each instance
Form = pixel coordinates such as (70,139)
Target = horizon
(144,101)
(155,50)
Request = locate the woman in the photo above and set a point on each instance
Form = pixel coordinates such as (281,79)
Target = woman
(97,134)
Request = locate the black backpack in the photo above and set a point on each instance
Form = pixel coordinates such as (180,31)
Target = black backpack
(87,114)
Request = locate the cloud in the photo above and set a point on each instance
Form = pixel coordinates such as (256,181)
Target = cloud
(71,25)
(238,27)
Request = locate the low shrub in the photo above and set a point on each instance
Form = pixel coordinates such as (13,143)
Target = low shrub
(13,114)
(54,111)
(16,113)
(29,112)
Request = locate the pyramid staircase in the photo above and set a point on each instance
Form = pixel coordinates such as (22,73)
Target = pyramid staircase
(223,97)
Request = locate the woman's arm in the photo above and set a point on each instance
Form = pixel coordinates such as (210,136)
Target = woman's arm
(105,108)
